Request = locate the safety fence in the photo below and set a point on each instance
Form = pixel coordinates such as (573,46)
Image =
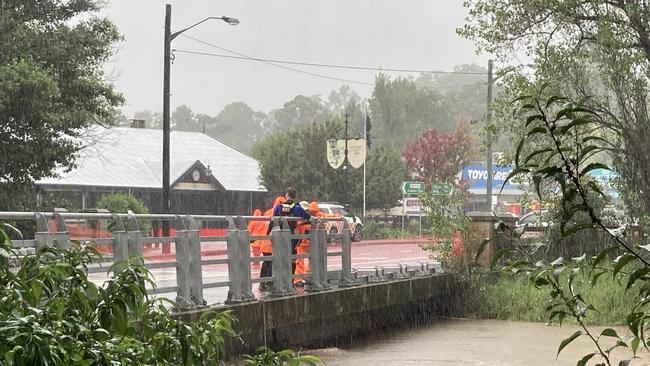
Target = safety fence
(127,239)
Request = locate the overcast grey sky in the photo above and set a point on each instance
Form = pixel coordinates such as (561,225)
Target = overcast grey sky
(414,34)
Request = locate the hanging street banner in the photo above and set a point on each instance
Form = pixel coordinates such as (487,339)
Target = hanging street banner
(336,153)
(357,152)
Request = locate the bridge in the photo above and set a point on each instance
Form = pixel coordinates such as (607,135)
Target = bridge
(208,260)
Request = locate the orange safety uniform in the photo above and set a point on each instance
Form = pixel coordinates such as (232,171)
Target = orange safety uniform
(256,228)
(302,264)
(265,245)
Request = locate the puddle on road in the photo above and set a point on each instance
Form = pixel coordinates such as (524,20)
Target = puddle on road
(473,342)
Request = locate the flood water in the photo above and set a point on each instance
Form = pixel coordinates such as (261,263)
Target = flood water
(475,342)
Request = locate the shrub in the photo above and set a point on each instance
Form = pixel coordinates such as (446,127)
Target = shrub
(51,314)
(123,203)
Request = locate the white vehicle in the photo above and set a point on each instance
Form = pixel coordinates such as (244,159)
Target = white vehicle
(356,226)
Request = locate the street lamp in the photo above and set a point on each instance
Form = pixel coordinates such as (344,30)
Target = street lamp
(166,94)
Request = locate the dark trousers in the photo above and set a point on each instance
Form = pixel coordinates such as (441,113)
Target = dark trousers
(267,266)
(267,269)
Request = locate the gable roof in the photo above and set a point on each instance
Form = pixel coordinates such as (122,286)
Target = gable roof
(132,157)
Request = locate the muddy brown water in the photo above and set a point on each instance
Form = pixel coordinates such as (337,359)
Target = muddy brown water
(475,342)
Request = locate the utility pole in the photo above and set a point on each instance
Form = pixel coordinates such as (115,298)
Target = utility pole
(166,94)
(345,161)
(488,135)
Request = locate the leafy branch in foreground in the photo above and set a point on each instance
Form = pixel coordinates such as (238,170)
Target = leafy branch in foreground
(567,139)
(52,314)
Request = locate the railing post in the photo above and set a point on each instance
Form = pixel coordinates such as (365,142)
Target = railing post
(183,297)
(120,242)
(61,235)
(235,270)
(42,236)
(281,241)
(321,256)
(245,260)
(346,258)
(195,265)
(316,283)
(134,236)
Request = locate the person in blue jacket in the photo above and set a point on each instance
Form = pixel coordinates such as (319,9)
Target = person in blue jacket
(290,208)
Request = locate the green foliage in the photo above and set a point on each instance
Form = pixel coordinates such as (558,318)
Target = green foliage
(566,130)
(510,297)
(52,314)
(51,66)
(401,110)
(123,203)
(297,157)
(267,357)
(589,48)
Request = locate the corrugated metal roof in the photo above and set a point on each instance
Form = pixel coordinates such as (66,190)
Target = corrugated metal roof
(132,157)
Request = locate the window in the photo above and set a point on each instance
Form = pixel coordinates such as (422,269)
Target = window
(340,211)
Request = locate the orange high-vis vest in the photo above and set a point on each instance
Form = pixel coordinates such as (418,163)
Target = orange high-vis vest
(265,245)
(257,228)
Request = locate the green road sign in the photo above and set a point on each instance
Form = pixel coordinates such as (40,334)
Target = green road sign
(441,189)
(412,187)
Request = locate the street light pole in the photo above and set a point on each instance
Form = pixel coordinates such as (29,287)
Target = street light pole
(166,247)
(169,36)
(166,90)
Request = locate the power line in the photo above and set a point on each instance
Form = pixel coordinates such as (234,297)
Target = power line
(270,61)
(348,67)
(276,65)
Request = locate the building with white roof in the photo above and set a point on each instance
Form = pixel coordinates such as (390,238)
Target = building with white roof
(206,175)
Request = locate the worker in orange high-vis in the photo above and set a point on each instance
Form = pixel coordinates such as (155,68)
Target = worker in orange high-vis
(257,228)
(266,247)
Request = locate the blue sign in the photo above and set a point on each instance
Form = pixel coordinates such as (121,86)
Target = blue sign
(476,175)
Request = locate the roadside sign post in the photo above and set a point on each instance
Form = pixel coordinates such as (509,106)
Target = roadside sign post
(411,188)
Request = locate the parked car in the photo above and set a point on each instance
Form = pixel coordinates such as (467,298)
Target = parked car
(356,226)
(533,223)
(535,219)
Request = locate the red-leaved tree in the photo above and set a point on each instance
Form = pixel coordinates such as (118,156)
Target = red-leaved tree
(439,156)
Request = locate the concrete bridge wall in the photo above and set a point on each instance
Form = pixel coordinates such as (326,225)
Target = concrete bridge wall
(332,317)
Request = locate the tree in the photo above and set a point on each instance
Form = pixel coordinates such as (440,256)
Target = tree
(298,157)
(183,119)
(337,101)
(300,110)
(384,174)
(439,156)
(51,66)
(594,47)
(239,126)
(401,110)
(464,91)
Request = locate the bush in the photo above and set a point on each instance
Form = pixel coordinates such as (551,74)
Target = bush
(123,203)
(516,298)
(51,314)
(267,357)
